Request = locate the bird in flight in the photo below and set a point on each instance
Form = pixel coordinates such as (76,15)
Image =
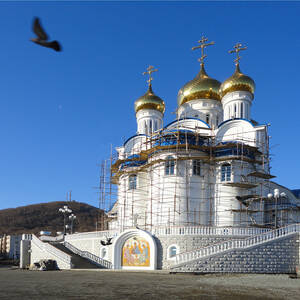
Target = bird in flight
(107,242)
(42,37)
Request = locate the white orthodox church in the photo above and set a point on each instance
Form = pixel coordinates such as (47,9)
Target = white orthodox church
(196,194)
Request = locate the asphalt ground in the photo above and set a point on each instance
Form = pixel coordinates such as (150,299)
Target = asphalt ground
(99,284)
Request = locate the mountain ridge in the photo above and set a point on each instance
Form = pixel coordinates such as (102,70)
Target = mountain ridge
(46,217)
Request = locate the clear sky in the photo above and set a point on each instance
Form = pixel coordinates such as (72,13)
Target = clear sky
(61,112)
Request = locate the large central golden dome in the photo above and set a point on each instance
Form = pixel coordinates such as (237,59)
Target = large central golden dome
(237,82)
(149,101)
(201,87)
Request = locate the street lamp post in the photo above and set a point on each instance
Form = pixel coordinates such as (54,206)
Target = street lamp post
(72,217)
(276,196)
(65,210)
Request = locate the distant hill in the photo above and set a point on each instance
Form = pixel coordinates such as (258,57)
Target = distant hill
(45,216)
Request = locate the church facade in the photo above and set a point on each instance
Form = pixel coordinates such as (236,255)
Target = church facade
(197,194)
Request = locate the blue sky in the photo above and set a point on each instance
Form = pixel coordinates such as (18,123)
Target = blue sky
(61,112)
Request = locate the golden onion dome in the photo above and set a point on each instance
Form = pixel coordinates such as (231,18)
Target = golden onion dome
(237,82)
(201,87)
(149,101)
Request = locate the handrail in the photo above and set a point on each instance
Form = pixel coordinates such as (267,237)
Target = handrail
(235,244)
(90,256)
(92,234)
(175,230)
(51,249)
(206,230)
(46,238)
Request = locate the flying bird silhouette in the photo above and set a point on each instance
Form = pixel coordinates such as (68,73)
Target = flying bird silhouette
(107,242)
(42,37)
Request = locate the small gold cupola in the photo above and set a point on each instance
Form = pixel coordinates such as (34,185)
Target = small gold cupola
(149,100)
(202,86)
(238,81)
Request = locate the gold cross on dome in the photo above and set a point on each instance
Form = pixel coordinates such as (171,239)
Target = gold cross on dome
(149,71)
(237,48)
(203,44)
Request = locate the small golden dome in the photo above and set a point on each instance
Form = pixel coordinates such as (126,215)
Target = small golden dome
(201,87)
(237,82)
(149,101)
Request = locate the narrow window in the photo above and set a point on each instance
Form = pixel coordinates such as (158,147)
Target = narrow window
(132,182)
(155,125)
(150,127)
(217,120)
(226,172)
(172,251)
(145,126)
(170,166)
(235,113)
(103,252)
(196,167)
(242,110)
(207,118)
(229,113)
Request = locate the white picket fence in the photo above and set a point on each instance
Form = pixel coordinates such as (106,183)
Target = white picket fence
(93,258)
(185,257)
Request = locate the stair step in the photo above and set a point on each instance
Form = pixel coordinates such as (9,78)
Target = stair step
(77,261)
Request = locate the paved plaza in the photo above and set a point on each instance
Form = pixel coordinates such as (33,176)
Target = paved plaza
(96,284)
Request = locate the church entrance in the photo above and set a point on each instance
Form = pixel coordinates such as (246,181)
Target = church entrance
(134,249)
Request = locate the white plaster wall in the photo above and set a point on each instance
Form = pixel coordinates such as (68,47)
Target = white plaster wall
(199,108)
(144,117)
(237,130)
(38,253)
(236,99)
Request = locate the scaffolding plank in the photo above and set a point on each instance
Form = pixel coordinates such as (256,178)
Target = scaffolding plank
(250,211)
(244,185)
(246,197)
(261,175)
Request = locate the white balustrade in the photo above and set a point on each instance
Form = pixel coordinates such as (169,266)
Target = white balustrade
(205,230)
(90,256)
(51,249)
(91,235)
(236,244)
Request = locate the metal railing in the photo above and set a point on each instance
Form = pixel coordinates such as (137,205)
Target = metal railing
(91,257)
(185,257)
(52,250)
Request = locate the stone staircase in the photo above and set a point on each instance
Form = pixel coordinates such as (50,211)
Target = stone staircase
(185,258)
(77,261)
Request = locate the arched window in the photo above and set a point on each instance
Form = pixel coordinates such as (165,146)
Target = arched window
(132,182)
(197,167)
(226,172)
(103,253)
(170,166)
(173,250)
